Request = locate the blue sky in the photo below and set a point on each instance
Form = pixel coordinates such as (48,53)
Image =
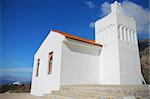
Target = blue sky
(26,23)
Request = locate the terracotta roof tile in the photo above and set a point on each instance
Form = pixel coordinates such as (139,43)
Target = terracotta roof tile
(77,38)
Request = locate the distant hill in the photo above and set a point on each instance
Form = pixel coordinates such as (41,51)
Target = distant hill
(8,79)
(144,48)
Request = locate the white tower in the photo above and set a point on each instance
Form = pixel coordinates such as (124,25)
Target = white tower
(119,60)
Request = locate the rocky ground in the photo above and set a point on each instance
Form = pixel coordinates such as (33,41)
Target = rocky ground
(144,48)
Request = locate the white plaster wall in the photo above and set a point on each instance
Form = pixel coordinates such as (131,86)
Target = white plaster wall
(45,82)
(79,68)
(129,54)
(119,59)
(106,34)
(129,64)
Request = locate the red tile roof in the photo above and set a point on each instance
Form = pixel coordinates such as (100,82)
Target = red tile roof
(77,38)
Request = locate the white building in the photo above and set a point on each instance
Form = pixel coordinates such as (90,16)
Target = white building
(113,58)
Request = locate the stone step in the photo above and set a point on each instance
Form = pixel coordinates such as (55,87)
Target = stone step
(51,96)
(97,95)
(100,92)
(74,94)
(114,90)
(69,96)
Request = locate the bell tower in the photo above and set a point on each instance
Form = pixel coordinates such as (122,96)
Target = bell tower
(119,59)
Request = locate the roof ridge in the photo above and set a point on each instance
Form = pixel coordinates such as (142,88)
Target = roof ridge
(67,35)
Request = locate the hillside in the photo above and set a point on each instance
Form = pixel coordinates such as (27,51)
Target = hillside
(144,48)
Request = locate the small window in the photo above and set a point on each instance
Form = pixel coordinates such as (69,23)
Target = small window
(50,61)
(37,67)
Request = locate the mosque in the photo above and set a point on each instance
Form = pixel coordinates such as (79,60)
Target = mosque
(112,58)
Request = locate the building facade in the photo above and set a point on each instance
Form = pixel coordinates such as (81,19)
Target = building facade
(113,58)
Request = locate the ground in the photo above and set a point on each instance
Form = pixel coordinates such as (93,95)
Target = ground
(8,95)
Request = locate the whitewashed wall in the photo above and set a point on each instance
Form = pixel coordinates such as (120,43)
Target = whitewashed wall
(79,68)
(45,82)
(119,59)
(128,51)
(106,34)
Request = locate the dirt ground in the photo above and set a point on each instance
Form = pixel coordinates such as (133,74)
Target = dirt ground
(18,96)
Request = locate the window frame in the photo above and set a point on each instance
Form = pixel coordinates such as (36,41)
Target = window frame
(37,67)
(50,63)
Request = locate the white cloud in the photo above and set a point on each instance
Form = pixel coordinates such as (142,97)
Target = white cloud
(90,4)
(92,25)
(105,8)
(134,10)
(140,14)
